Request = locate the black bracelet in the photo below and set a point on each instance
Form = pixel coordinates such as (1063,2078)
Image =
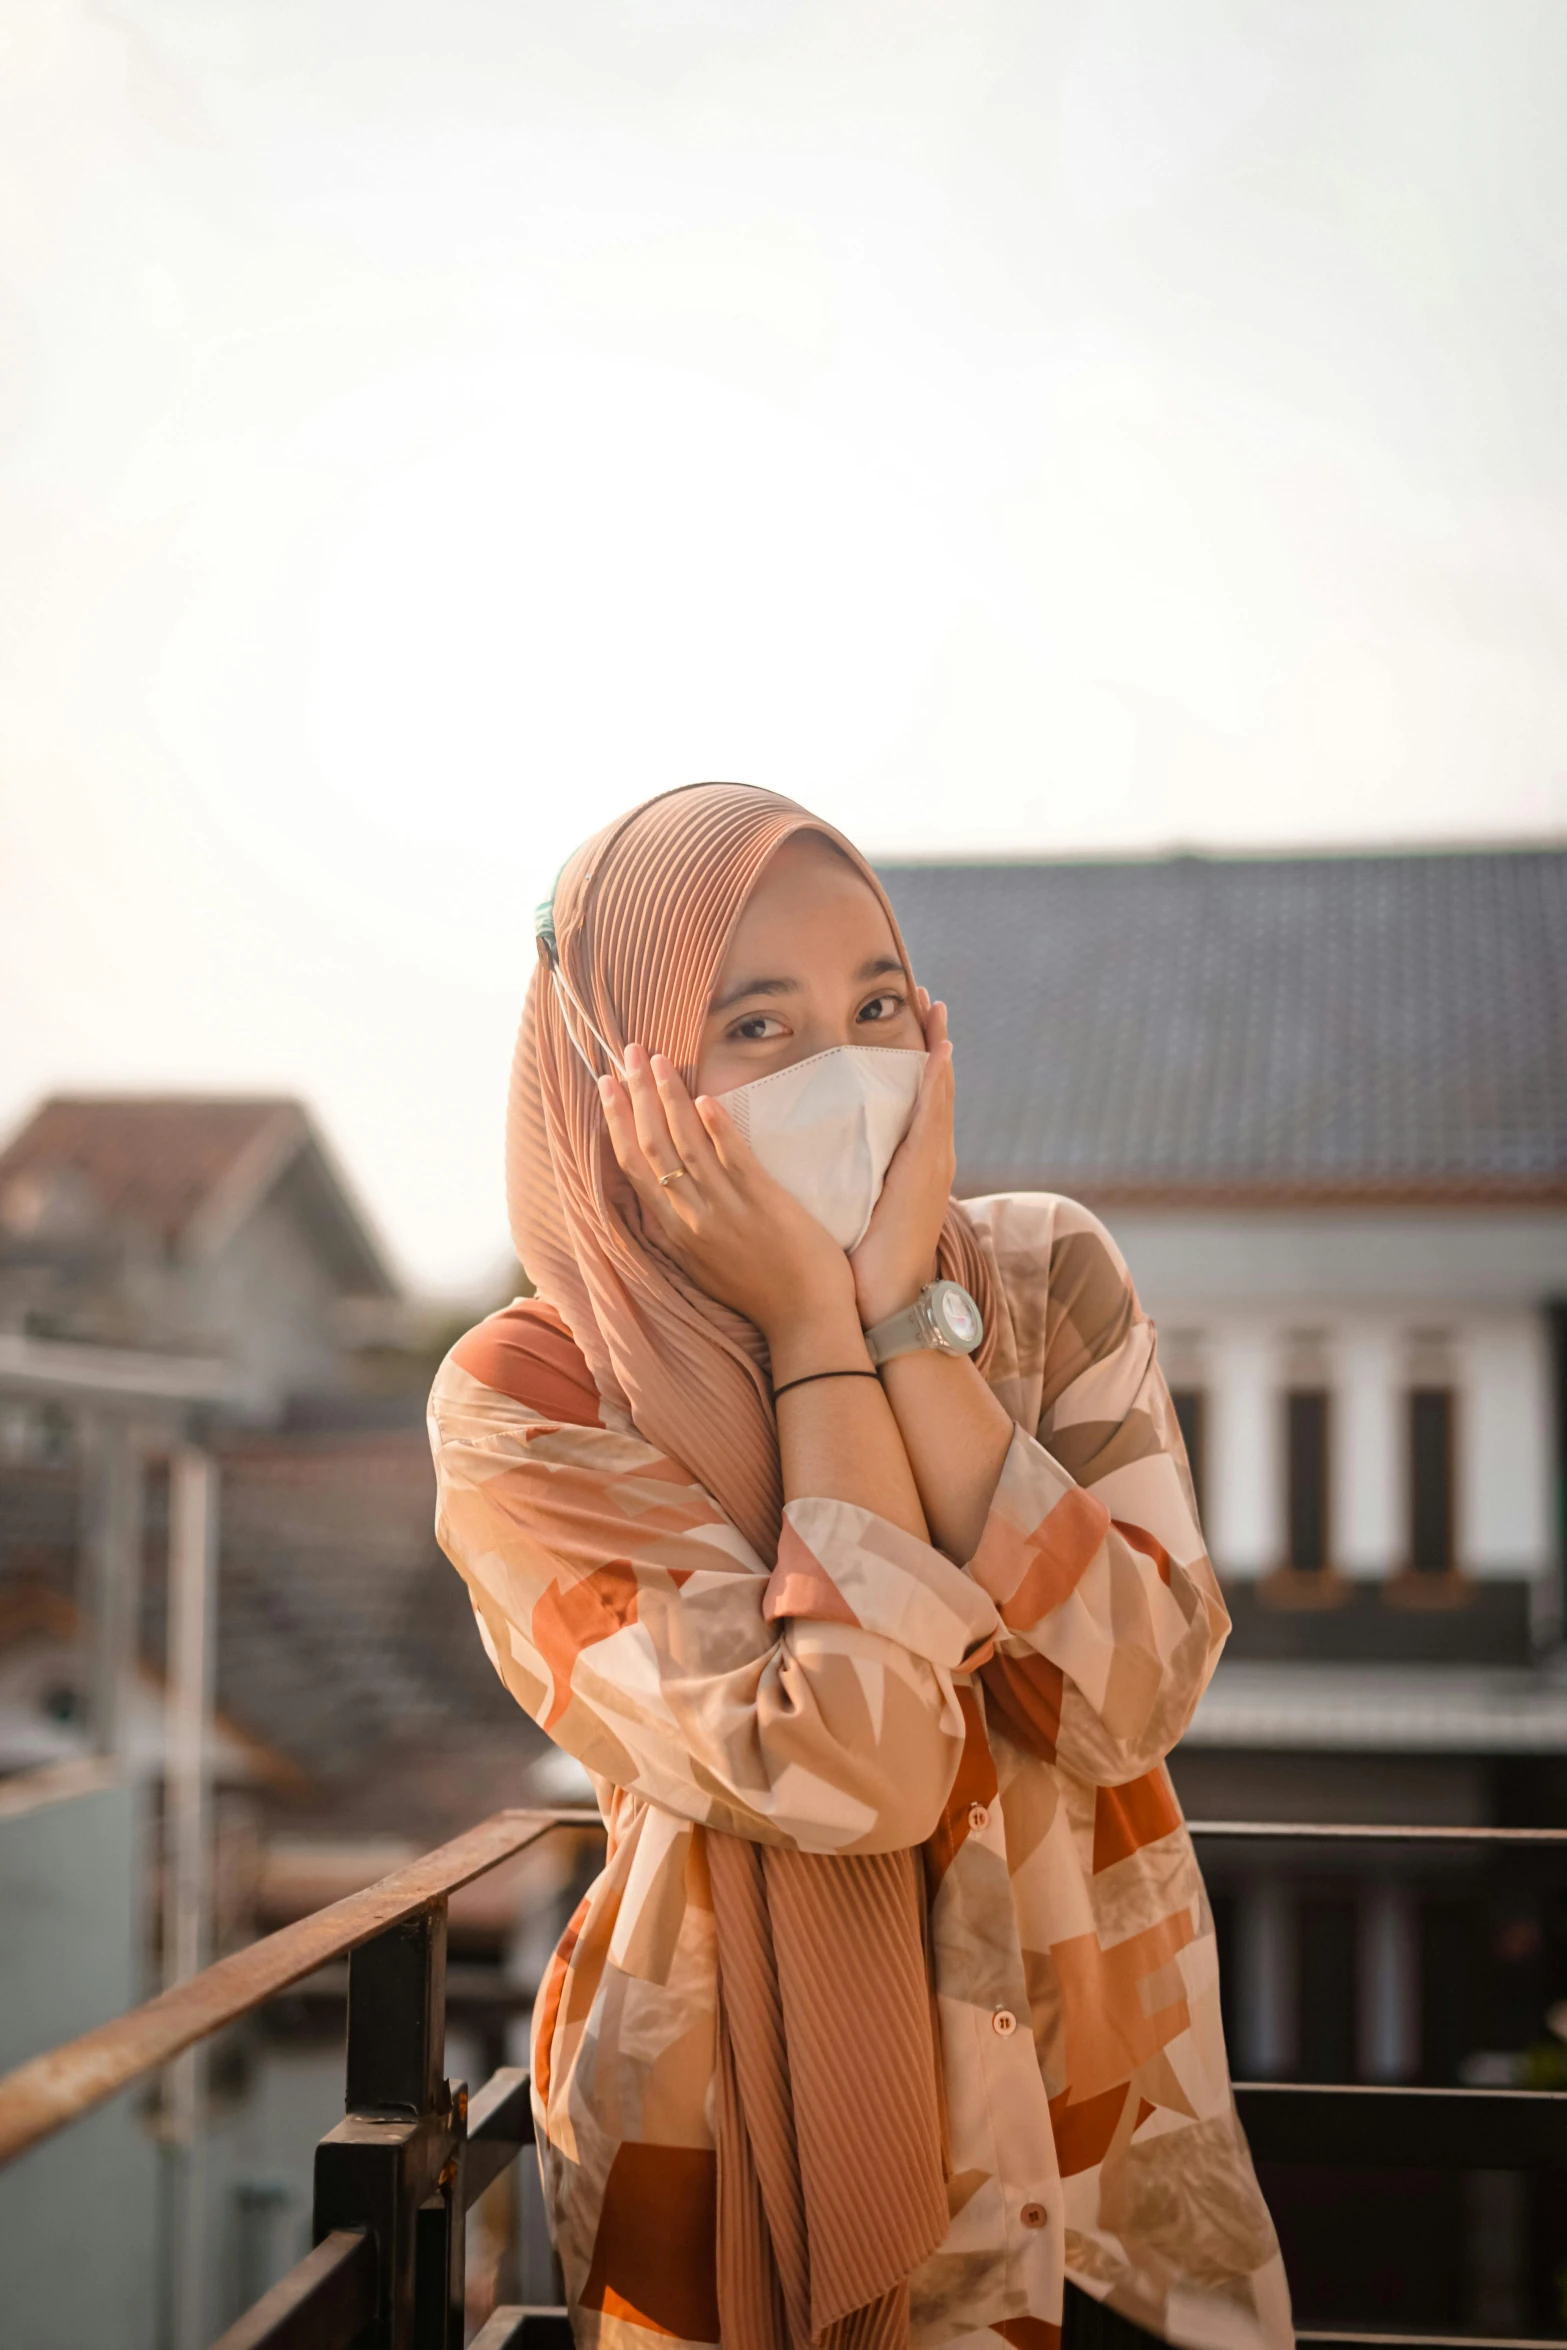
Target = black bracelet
(806,1377)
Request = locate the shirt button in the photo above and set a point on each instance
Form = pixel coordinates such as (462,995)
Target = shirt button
(1003,2021)
(1033,2215)
(978,1818)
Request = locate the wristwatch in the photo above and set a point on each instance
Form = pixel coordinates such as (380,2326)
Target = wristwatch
(943,1316)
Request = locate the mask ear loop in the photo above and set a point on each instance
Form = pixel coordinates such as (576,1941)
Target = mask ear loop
(569,1005)
(570,1008)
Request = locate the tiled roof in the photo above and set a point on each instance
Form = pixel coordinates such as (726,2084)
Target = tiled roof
(151,1160)
(1325,1026)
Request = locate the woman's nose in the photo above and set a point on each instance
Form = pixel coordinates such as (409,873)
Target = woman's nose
(822,1032)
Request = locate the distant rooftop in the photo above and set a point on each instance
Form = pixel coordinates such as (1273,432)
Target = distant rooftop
(185,1170)
(1385,1027)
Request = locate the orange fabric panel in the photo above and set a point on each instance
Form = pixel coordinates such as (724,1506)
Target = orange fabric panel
(1108,2032)
(976,1782)
(1059,1551)
(1024,1696)
(1128,1817)
(1083,2132)
(800,1586)
(553,1991)
(1028,2333)
(1140,1539)
(569,1617)
(525,1351)
(655,2256)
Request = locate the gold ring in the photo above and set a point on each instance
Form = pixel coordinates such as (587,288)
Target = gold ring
(673,1176)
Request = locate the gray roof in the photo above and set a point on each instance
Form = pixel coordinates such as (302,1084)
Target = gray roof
(1253,1027)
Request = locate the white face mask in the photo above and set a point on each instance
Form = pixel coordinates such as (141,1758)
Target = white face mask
(826,1128)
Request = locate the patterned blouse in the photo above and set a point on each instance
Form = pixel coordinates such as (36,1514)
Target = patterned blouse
(864,1694)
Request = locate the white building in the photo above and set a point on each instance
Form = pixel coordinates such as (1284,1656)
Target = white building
(1371,1394)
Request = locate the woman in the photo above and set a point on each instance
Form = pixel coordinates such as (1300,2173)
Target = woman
(845,1536)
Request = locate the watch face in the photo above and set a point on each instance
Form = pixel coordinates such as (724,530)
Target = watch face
(959,1316)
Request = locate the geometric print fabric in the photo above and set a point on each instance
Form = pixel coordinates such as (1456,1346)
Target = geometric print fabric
(860,1693)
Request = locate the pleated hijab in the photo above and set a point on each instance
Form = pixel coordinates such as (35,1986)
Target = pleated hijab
(830,2178)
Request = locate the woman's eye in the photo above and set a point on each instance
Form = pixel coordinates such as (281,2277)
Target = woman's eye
(757,1028)
(882,1007)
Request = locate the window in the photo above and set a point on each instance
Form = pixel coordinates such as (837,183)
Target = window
(1307,1472)
(1188,1402)
(1431,1480)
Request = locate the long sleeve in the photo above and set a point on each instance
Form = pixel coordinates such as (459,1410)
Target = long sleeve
(1111,1612)
(811,1704)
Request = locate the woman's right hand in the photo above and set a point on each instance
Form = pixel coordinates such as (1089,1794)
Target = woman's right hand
(726,1222)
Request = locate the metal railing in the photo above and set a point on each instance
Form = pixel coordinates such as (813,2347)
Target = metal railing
(396,2177)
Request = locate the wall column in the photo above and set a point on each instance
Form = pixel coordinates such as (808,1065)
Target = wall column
(115,1467)
(187,1831)
(1245,1496)
(1504,1465)
(1366,1464)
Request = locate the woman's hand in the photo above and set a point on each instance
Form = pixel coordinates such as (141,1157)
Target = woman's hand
(897,1257)
(726,1222)
(955,1432)
(750,1244)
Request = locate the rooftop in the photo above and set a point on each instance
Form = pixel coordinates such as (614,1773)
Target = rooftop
(1254,1029)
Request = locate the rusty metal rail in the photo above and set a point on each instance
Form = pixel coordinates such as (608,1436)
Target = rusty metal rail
(328,2297)
(524,2329)
(1374,2127)
(41,2096)
(1303,1832)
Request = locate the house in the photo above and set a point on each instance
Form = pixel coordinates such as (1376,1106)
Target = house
(132,1226)
(214,1226)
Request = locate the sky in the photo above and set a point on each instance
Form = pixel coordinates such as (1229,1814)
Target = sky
(429,426)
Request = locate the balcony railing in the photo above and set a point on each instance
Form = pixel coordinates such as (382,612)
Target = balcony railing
(396,2177)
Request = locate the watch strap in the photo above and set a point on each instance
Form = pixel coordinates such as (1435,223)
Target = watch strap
(903,1333)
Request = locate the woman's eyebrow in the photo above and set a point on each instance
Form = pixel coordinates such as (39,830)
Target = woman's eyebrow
(877,968)
(747,987)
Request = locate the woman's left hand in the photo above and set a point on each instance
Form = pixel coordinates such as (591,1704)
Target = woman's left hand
(897,1257)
